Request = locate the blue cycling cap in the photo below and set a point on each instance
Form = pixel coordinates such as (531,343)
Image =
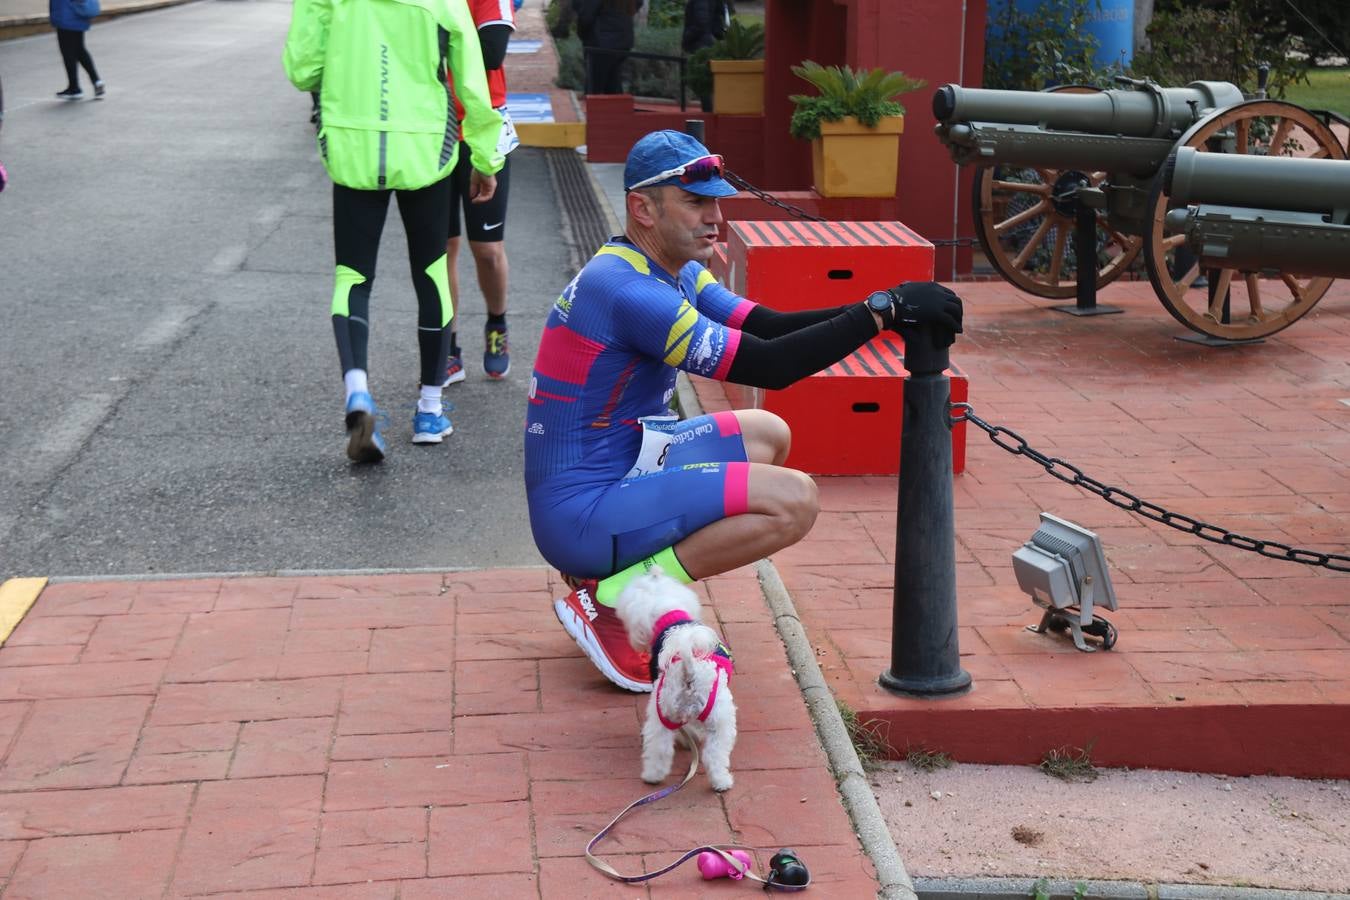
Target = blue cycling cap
(664,151)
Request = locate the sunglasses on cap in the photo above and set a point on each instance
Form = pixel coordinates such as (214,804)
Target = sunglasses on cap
(701,169)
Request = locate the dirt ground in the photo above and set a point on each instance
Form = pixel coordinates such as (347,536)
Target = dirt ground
(1149,826)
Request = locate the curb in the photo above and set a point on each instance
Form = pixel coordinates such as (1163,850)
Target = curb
(17,596)
(1070,889)
(22,26)
(850,780)
(551,134)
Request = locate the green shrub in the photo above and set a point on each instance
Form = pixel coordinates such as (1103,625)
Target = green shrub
(655,77)
(1028,51)
(642,77)
(1195,44)
(665,14)
(553,18)
(571,67)
(864,94)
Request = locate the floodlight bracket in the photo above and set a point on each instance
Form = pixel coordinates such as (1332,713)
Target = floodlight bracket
(1057,620)
(1064,570)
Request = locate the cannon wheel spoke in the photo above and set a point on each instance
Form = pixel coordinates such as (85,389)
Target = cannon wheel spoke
(1221,286)
(1025,215)
(1014,216)
(1273,299)
(1254,297)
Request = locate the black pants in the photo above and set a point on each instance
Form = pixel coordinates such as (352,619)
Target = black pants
(358,222)
(604,74)
(74,54)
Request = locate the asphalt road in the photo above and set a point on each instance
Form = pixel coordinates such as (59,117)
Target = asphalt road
(172,400)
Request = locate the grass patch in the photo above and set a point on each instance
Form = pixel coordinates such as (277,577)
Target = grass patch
(927,760)
(1042,890)
(867,737)
(1326,89)
(1070,764)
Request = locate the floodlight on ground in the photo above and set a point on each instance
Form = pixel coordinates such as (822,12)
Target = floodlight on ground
(1064,570)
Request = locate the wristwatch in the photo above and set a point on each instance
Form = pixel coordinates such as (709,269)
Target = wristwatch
(883,304)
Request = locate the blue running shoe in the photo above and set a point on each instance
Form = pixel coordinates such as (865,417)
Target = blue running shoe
(454,371)
(430,428)
(496,359)
(364,443)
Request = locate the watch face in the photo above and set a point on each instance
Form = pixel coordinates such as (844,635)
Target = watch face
(879,300)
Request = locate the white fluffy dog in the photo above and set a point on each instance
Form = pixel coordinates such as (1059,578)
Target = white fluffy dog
(691,671)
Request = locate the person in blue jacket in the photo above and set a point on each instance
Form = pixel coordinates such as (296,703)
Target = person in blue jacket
(71,19)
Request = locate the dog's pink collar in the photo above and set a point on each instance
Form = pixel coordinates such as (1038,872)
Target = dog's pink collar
(674,617)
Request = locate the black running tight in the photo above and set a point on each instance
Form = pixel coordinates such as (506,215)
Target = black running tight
(73,54)
(358,221)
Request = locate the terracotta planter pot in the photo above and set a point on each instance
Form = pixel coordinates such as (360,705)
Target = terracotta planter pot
(852,160)
(738,86)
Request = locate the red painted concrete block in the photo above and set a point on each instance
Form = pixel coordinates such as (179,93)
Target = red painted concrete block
(799,264)
(614,123)
(846,420)
(745,206)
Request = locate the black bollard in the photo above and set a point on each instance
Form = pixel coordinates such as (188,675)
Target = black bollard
(925,655)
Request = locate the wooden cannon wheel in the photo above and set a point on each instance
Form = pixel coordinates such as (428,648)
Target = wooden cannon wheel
(1259,303)
(1028,238)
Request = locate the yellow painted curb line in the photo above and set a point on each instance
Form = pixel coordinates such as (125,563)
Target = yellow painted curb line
(16,596)
(551,134)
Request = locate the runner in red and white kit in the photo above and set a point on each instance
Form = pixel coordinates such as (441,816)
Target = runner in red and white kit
(485,223)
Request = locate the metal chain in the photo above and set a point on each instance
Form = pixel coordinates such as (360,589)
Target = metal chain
(1068,473)
(746,186)
(742,184)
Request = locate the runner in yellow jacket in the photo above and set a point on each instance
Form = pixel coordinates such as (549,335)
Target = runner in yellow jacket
(387,123)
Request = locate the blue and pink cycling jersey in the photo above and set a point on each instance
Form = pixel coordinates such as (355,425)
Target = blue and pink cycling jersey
(608,357)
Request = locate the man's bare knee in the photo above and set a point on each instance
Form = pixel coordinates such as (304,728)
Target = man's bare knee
(767,436)
(803,504)
(490,254)
(793,502)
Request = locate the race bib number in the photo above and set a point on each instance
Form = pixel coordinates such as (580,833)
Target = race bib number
(509,140)
(657,433)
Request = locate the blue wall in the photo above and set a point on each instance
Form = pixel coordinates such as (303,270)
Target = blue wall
(1112,25)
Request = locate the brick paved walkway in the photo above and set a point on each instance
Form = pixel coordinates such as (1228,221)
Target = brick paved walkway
(370,737)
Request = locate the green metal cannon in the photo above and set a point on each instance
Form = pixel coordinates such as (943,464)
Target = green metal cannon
(1251,212)
(1049,161)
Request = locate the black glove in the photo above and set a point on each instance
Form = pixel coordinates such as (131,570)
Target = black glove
(927,303)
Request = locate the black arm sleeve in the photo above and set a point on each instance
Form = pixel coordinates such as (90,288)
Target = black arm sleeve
(494,39)
(770,323)
(778,362)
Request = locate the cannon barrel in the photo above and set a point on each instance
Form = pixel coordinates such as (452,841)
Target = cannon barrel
(1129,131)
(1147,111)
(1279,183)
(1255,213)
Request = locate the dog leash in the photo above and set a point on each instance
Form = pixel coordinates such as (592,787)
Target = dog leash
(736,866)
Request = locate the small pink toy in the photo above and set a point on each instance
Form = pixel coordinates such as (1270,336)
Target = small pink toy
(713,865)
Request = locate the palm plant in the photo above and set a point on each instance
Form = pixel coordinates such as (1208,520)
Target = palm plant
(740,41)
(867,95)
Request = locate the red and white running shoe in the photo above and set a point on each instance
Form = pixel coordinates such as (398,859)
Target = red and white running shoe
(600,635)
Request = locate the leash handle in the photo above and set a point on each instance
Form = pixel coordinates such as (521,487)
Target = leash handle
(722,850)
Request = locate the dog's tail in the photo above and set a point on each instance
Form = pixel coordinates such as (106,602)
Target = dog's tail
(692,641)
